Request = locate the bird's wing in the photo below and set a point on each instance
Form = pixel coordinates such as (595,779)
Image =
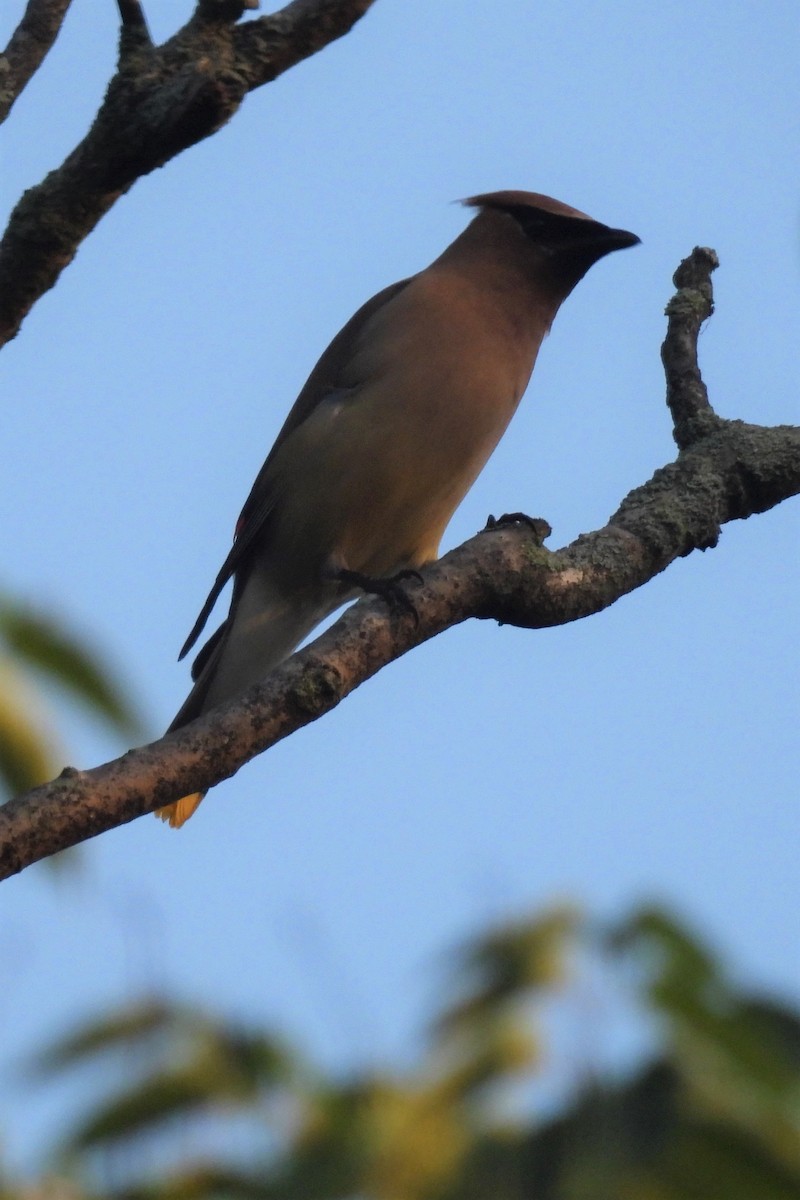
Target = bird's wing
(323,380)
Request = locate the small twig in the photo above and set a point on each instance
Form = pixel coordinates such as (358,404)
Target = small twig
(693,303)
(134,36)
(131,14)
(27,48)
(227,11)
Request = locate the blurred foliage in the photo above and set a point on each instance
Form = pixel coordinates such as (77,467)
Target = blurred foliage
(197,1108)
(37,650)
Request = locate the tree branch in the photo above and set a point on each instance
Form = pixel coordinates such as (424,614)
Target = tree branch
(693,303)
(27,48)
(265,48)
(161,100)
(134,36)
(731,472)
(223,10)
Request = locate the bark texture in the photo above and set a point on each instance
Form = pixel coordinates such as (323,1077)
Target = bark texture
(725,471)
(29,44)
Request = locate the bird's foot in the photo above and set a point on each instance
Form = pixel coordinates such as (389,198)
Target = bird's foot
(389,589)
(540,528)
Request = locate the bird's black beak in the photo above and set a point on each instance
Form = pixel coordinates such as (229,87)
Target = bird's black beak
(618,239)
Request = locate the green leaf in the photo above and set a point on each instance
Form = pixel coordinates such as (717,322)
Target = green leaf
(124,1029)
(508,964)
(162,1097)
(65,659)
(29,754)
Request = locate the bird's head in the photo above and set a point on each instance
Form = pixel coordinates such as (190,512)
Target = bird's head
(568,241)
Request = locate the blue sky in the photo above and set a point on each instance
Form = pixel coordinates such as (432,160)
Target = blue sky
(647,752)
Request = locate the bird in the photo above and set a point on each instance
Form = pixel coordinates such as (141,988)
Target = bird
(388,434)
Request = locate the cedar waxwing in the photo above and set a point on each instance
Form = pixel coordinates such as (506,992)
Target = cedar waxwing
(388,434)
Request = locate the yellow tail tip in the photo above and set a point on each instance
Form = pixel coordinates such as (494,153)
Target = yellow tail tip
(178,813)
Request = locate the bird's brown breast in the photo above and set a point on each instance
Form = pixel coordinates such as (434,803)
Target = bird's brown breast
(427,394)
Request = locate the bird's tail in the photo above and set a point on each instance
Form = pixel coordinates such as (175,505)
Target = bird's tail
(179,812)
(263,629)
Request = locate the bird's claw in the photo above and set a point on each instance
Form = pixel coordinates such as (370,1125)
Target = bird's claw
(389,590)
